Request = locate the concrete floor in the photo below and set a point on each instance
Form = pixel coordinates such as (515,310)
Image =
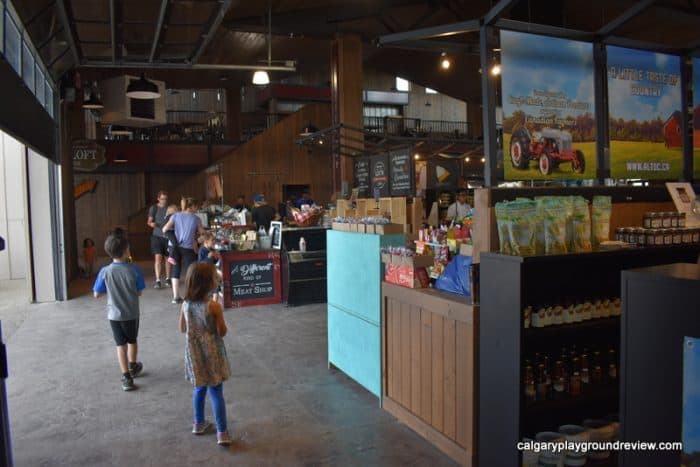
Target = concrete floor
(285,407)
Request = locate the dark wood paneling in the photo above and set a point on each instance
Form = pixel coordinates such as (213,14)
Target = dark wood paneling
(180,154)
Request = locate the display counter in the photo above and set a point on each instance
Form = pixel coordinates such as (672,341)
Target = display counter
(429,342)
(251,277)
(303,272)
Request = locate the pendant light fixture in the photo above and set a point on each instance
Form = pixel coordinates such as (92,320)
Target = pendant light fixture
(93,102)
(142,89)
(260,77)
(308,130)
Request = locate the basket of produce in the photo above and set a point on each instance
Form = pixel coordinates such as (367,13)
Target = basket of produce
(308,216)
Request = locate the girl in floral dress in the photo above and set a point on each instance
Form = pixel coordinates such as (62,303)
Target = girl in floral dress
(206,363)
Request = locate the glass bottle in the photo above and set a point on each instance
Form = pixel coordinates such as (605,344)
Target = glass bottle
(575,384)
(530,393)
(541,383)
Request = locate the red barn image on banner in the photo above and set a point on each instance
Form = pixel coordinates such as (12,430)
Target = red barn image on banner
(673,134)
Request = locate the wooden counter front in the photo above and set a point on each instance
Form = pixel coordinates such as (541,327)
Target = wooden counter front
(428,366)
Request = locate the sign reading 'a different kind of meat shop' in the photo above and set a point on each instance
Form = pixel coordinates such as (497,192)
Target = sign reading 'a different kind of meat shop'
(549,124)
(645,104)
(87,155)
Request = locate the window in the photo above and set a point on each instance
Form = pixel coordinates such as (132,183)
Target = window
(402,84)
(28,67)
(48,99)
(13,44)
(2,27)
(39,90)
(430,91)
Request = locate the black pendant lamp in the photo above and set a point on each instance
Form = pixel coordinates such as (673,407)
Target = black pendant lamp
(142,89)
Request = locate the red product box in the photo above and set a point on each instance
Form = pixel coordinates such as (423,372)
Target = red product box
(406,276)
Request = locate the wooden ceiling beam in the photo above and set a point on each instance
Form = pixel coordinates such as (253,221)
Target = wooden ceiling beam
(494,14)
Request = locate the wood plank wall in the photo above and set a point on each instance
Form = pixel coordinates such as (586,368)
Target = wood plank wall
(429,357)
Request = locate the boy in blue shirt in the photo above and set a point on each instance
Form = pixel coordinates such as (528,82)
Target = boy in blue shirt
(123,283)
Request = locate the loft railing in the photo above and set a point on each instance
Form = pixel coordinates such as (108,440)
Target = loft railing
(417,127)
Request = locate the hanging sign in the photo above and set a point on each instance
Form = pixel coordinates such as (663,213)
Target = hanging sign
(402,181)
(379,171)
(549,123)
(644,104)
(362,178)
(443,174)
(87,155)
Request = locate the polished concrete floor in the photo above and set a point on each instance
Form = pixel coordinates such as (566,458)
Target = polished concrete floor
(285,406)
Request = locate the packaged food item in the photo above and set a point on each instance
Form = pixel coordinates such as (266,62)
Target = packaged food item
(521,227)
(602,207)
(581,223)
(502,212)
(555,215)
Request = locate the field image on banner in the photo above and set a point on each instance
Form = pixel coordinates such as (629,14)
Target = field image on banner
(549,127)
(644,100)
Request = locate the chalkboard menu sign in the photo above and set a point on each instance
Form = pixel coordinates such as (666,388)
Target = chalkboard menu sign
(379,168)
(252,279)
(362,177)
(402,180)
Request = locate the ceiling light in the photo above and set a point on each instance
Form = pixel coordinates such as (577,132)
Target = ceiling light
(416,156)
(466,159)
(261,78)
(496,70)
(142,89)
(483,159)
(444,61)
(120,159)
(194,95)
(496,49)
(93,101)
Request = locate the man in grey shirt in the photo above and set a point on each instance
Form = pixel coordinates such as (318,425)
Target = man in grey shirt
(159,242)
(123,283)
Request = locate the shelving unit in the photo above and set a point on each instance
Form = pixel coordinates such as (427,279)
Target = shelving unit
(508,285)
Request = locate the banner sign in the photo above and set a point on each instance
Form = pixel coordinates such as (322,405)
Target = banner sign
(644,104)
(379,170)
(549,119)
(362,177)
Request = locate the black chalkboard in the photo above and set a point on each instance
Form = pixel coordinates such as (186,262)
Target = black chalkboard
(380,174)
(402,181)
(252,279)
(362,178)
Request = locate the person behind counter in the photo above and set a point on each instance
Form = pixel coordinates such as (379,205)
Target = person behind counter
(240,203)
(263,213)
(305,199)
(459,209)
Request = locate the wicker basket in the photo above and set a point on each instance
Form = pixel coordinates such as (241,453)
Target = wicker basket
(313,220)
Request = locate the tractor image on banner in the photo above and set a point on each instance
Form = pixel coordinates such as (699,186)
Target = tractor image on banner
(549,126)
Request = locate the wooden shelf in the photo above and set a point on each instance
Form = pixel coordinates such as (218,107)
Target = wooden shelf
(603,393)
(597,324)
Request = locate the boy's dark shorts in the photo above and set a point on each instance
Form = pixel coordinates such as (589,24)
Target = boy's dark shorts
(159,245)
(125,332)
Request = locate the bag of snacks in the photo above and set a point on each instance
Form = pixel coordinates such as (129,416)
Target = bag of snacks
(581,223)
(554,227)
(602,207)
(521,227)
(502,227)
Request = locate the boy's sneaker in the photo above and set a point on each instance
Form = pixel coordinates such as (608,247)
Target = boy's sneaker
(200,428)
(127,382)
(223,438)
(176,301)
(158,285)
(167,282)
(135,369)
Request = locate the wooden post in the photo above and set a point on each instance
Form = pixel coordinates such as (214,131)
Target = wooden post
(233,114)
(346,92)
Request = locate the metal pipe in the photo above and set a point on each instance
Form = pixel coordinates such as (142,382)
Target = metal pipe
(159,28)
(211,30)
(185,66)
(67,26)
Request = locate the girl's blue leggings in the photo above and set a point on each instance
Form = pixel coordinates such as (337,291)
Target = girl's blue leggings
(216,394)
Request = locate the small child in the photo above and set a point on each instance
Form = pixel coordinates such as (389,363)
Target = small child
(173,252)
(89,254)
(123,283)
(206,363)
(208,254)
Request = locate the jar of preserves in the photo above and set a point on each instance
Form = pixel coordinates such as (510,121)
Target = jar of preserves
(668,236)
(632,235)
(659,237)
(681,219)
(639,234)
(666,220)
(677,236)
(696,235)
(646,221)
(687,236)
(650,235)
(674,220)
(656,220)
(618,234)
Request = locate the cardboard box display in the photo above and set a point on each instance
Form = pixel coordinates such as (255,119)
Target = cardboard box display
(423,261)
(341,226)
(406,276)
(387,229)
(466,250)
